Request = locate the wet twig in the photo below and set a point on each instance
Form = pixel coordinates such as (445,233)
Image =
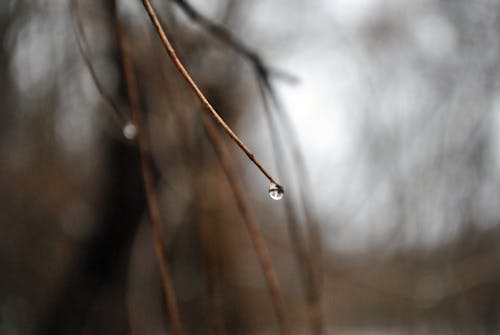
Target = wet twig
(206,104)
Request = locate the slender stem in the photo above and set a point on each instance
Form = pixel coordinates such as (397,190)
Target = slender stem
(264,74)
(312,278)
(172,54)
(251,223)
(147,174)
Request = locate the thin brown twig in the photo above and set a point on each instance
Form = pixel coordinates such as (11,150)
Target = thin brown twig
(251,223)
(82,44)
(173,56)
(147,174)
(313,275)
(264,73)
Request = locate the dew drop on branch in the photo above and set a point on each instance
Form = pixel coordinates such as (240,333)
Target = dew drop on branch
(276,192)
(129,131)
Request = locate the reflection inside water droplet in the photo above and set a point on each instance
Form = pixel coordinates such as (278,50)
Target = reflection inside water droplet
(276,191)
(129,131)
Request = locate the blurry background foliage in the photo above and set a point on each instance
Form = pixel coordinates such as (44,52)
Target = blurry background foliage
(397,111)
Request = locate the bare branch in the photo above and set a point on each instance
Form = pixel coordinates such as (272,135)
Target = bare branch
(172,54)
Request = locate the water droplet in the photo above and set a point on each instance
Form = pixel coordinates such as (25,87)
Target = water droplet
(129,131)
(276,191)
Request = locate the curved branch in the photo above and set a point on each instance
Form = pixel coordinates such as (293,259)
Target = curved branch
(172,54)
